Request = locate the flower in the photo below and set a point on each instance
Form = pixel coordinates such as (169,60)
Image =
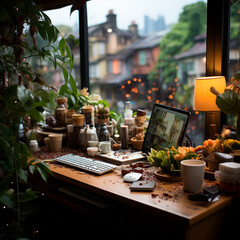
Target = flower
(218,145)
(169,159)
(94,97)
(84,92)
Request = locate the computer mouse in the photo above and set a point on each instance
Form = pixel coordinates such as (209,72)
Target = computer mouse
(132,177)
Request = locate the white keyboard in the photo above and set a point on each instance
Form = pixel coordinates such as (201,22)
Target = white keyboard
(86,164)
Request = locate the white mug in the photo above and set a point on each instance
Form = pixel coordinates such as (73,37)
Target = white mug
(192,175)
(104,146)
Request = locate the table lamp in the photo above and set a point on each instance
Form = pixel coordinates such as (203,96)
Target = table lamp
(204,100)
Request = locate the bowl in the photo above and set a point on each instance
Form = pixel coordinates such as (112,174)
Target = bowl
(92,143)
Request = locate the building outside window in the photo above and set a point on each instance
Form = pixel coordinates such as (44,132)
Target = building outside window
(140,65)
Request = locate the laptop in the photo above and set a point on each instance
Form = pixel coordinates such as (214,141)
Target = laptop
(167,127)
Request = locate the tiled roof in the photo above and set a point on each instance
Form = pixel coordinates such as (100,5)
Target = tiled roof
(198,49)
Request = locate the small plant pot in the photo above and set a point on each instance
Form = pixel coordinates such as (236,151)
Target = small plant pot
(137,144)
(55,142)
(103,120)
(47,143)
(214,159)
(78,120)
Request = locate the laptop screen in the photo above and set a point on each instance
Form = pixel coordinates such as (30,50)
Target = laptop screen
(166,128)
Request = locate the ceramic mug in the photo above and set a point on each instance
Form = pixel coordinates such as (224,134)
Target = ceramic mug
(104,146)
(192,175)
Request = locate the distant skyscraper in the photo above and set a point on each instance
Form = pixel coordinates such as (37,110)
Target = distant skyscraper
(152,25)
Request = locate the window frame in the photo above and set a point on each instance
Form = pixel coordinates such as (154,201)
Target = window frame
(217,52)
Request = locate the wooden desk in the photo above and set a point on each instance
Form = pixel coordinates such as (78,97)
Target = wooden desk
(166,211)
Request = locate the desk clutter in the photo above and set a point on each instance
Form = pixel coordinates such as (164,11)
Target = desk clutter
(92,130)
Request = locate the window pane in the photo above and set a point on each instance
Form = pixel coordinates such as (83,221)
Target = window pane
(233,51)
(161,48)
(67,24)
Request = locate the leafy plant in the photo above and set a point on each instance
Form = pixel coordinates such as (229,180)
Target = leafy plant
(169,159)
(229,101)
(24,93)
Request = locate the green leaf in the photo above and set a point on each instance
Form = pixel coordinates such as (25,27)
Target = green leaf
(104,103)
(7,199)
(228,102)
(62,46)
(23,175)
(28,195)
(73,85)
(63,89)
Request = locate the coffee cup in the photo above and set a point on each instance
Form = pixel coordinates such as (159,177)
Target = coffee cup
(105,147)
(192,172)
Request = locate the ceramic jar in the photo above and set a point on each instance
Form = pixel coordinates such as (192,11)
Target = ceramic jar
(55,142)
(33,145)
(68,116)
(62,102)
(88,112)
(60,116)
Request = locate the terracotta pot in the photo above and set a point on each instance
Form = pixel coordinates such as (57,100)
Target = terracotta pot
(137,144)
(55,142)
(103,120)
(214,159)
(78,120)
(47,143)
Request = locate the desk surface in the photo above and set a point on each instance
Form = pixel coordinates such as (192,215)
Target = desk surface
(168,199)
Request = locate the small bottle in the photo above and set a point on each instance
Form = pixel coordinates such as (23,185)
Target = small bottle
(33,145)
(130,122)
(104,133)
(91,134)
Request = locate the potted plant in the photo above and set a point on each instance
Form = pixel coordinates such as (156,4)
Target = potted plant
(23,92)
(102,112)
(169,161)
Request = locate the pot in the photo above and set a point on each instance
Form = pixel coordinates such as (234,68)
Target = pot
(55,142)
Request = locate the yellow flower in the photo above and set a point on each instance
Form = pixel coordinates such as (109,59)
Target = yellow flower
(84,92)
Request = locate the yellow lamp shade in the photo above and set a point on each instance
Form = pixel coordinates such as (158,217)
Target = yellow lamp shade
(204,100)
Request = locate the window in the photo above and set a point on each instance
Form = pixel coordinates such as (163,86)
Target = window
(101,48)
(233,63)
(142,57)
(114,66)
(143,52)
